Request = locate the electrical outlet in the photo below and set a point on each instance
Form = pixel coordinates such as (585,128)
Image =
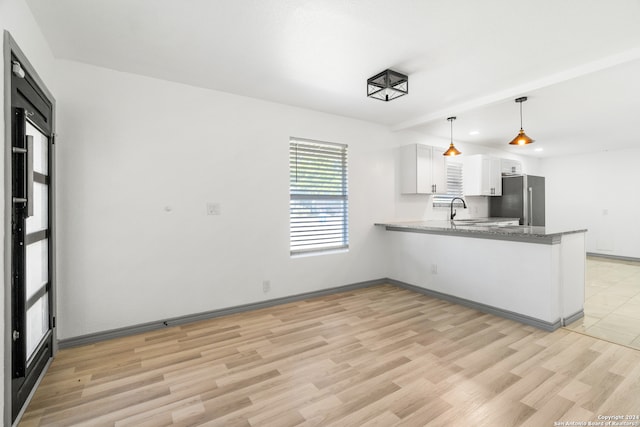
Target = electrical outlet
(434,268)
(213,209)
(266,286)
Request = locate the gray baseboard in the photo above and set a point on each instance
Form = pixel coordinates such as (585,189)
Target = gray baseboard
(174,321)
(541,324)
(570,319)
(612,257)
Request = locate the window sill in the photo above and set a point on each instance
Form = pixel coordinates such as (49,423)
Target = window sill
(319,252)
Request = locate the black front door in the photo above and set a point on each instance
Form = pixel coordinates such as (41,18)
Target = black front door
(32,319)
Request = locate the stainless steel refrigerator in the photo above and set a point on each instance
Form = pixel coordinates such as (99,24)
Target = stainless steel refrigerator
(522,197)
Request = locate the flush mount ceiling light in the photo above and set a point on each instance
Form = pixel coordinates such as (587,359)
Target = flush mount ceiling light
(522,138)
(452,151)
(387,85)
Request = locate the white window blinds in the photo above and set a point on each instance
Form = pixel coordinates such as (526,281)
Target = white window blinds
(318,206)
(454,185)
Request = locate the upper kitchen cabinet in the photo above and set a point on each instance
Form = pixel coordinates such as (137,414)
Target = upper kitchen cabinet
(510,167)
(422,170)
(482,176)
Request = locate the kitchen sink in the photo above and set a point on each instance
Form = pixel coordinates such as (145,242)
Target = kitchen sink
(483,222)
(472,221)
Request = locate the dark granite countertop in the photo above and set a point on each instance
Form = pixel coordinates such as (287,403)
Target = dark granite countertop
(484,228)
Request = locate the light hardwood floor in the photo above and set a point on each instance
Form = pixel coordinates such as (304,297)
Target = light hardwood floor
(380,356)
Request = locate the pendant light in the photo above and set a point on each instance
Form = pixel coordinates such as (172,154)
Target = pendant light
(522,138)
(452,151)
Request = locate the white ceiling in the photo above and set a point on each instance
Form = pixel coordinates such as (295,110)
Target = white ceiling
(577,60)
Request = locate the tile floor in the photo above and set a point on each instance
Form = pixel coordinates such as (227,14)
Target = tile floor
(612,301)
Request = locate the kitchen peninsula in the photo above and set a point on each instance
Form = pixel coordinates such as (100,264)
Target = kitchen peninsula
(531,274)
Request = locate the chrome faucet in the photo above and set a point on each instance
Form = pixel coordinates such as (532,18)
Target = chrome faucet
(453,213)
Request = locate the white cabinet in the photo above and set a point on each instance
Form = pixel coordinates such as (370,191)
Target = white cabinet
(482,176)
(510,167)
(422,170)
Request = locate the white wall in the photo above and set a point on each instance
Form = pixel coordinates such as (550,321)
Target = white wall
(465,267)
(599,192)
(139,158)
(543,281)
(16,17)
(418,206)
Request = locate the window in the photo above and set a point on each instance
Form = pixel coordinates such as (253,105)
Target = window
(454,185)
(318,205)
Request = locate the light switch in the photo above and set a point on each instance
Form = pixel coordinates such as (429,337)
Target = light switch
(213,208)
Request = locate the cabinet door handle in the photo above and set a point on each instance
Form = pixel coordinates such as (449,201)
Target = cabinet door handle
(530,206)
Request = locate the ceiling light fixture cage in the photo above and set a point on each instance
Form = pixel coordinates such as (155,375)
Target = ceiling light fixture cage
(452,151)
(387,85)
(521,138)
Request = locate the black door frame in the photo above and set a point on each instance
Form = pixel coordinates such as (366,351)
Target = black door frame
(12,49)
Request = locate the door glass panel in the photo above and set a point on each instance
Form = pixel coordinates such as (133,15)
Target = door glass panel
(37,323)
(40,150)
(40,219)
(38,272)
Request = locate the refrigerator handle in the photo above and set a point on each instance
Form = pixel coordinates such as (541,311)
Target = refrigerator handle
(530,206)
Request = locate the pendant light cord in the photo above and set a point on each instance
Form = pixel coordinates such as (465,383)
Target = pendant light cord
(520,115)
(451,121)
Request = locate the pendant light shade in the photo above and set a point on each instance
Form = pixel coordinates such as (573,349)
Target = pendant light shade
(522,138)
(452,151)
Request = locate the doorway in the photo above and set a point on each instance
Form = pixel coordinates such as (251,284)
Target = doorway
(30,219)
